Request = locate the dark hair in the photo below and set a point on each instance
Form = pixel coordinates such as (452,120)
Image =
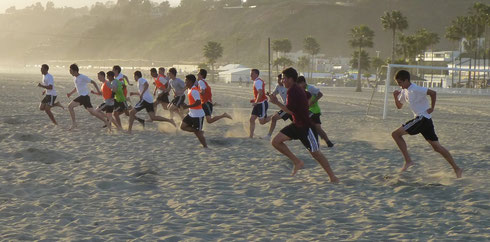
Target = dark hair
(45,66)
(162,68)
(117,68)
(74,67)
(138,74)
(279,76)
(301,79)
(110,74)
(290,72)
(402,75)
(256,71)
(191,77)
(173,71)
(203,73)
(101,73)
(153,70)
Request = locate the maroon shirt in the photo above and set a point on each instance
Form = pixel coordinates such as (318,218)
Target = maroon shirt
(297,103)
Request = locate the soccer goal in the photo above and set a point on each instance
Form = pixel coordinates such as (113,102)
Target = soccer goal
(483,76)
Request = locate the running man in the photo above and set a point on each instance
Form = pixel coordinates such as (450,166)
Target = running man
(259,103)
(125,82)
(109,88)
(81,86)
(161,88)
(49,100)
(206,98)
(301,128)
(145,102)
(314,108)
(282,91)
(194,120)
(178,88)
(416,97)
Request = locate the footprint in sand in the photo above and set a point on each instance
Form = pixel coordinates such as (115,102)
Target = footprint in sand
(45,156)
(26,137)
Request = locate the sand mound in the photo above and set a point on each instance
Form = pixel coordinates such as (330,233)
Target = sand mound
(45,156)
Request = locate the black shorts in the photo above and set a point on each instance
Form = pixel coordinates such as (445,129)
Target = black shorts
(260,110)
(195,123)
(84,101)
(49,100)
(144,105)
(162,98)
(120,107)
(315,117)
(178,100)
(306,135)
(208,108)
(422,125)
(285,116)
(106,108)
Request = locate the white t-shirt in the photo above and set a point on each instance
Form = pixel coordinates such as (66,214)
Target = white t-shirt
(282,91)
(201,85)
(258,84)
(81,83)
(49,80)
(416,96)
(141,86)
(195,113)
(312,90)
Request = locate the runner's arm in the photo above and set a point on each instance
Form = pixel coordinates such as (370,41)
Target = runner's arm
(398,104)
(433,96)
(70,93)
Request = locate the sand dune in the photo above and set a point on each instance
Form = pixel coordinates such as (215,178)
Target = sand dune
(159,184)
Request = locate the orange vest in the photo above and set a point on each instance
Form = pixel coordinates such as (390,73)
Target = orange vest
(158,83)
(256,92)
(207,97)
(191,98)
(106,91)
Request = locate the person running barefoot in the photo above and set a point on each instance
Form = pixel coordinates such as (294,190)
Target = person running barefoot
(206,98)
(194,120)
(259,103)
(416,97)
(146,102)
(282,91)
(108,88)
(301,128)
(49,100)
(81,86)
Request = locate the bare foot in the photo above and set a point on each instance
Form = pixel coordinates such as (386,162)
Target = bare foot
(334,179)
(406,166)
(73,127)
(459,173)
(227,116)
(297,167)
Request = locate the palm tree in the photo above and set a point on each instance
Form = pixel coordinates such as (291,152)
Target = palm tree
(281,46)
(455,33)
(303,63)
(311,47)
(283,62)
(396,22)
(361,37)
(212,51)
(480,12)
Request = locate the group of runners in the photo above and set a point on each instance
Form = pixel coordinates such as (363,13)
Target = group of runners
(299,103)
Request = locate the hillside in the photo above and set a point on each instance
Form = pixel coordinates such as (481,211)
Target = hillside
(178,35)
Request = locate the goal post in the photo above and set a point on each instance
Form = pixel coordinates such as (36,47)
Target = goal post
(391,66)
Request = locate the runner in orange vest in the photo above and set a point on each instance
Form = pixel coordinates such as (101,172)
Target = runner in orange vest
(108,89)
(260,104)
(207,98)
(161,87)
(194,120)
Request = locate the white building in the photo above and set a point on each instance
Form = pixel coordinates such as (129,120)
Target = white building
(235,75)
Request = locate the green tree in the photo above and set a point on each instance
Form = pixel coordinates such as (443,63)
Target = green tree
(212,51)
(480,13)
(361,37)
(303,63)
(455,33)
(395,21)
(311,46)
(281,46)
(283,62)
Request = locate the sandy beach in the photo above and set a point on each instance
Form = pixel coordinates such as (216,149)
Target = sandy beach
(159,184)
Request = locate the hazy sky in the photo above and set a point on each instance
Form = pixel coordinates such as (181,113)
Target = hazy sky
(4,4)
